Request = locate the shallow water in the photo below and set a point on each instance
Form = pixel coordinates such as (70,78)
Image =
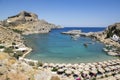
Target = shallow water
(59,48)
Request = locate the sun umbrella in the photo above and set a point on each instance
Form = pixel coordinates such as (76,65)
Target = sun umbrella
(68,72)
(86,69)
(85,72)
(80,70)
(76,72)
(60,70)
(69,65)
(45,64)
(95,63)
(94,71)
(82,64)
(101,70)
(51,65)
(107,69)
(75,65)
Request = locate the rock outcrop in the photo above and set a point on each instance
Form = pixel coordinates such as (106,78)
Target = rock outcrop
(28,23)
(113,29)
(72,32)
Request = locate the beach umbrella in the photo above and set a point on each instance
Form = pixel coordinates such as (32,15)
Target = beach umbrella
(113,63)
(103,65)
(94,68)
(51,65)
(68,72)
(64,68)
(80,70)
(60,71)
(113,60)
(108,74)
(100,63)
(72,69)
(89,64)
(85,72)
(117,62)
(105,62)
(117,76)
(75,65)
(95,63)
(92,65)
(83,64)
(94,71)
(69,65)
(45,64)
(86,69)
(107,69)
(60,65)
(112,67)
(80,66)
(117,59)
(98,76)
(110,61)
(117,66)
(76,73)
(63,64)
(101,70)
(57,64)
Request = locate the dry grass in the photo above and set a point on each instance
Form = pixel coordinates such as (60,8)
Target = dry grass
(13,76)
(12,60)
(3,56)
(55,78)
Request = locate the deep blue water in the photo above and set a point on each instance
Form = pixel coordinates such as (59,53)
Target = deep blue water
(59,48)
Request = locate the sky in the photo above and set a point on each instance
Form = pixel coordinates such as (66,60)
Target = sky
(67,13)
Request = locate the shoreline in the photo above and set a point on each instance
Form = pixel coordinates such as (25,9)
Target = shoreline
(29,50)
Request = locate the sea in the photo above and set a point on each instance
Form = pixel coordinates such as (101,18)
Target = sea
(55,47)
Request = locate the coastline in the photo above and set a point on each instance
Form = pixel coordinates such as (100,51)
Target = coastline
(29,50)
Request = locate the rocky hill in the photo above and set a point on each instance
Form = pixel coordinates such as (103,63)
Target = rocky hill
(113,29)
(7,36)
(27,23)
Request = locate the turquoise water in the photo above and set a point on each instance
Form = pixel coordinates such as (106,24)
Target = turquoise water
(59,48)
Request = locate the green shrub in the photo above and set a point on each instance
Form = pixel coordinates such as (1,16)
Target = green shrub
(8,50)
(17,31)
(31,63)
(54,69)
(1,47)
(18,54)
(13,43)
(39,63)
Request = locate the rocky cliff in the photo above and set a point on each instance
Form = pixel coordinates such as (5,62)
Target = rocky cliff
(113,29)
(27,23)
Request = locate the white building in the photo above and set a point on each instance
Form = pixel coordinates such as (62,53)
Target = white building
(115,37)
